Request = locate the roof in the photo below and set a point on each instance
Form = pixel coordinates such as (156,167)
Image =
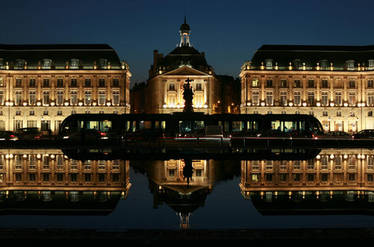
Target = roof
(311,55)
(59,54)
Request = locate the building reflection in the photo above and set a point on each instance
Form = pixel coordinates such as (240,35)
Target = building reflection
(49,182)
(184,188)
(335,181)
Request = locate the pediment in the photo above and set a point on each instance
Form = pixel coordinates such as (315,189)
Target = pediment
(185,70)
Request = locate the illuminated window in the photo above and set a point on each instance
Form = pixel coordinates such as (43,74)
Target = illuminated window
(283,98)
(297,98)
(87,97)
(324,99)
(269,98)
(46,63)
(338,98)
(74,63)
(18,98)
(352,98)
(255,83)
(32,98)
(255,98)
(45,98)
(102,97)
(115,98)
(60,98)
(74,97)
(1,97)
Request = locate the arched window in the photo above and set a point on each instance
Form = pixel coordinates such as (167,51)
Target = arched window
(19,64)
(46,63)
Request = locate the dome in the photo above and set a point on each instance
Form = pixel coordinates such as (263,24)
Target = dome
(185,26)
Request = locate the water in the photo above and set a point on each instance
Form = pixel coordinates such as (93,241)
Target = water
(47,188)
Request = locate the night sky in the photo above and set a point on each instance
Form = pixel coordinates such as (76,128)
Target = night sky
(229,32)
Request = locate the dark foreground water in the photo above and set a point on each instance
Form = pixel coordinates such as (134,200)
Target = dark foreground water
(47,188)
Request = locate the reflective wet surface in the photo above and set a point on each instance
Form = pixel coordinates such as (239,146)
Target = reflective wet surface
(260,189)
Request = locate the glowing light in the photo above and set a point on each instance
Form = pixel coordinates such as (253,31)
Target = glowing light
(290,104)
(318,104)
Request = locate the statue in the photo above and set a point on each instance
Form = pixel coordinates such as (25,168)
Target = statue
(187,96)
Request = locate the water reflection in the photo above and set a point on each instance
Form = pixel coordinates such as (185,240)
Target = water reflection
(184,184)
(335,181)
(276,181)
(49,182)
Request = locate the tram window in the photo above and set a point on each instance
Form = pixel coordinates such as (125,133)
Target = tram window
(145,125)
(105,126)
(283,126)
(188,126)
(252,126)
(237,126)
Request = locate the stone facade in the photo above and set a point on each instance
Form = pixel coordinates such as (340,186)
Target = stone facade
(335,84)
(41,85)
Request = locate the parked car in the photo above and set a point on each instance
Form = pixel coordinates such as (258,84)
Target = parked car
(29,134)
(335,135)
(364,134)
(8,136)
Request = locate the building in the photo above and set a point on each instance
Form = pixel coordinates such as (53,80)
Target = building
(168,74)
(333,181)
(333,83)
(40,85)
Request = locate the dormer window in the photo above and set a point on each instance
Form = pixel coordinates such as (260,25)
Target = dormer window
(1,63)
(103,63)
(324,64)
(19,64)
(297,64)
(269,63)
(350,64)
(46,63)
(370,64)
(74,63)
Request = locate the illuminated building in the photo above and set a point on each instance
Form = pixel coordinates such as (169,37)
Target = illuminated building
(50,177)
(334,83)
(168,74)
(40,85)
(345,175)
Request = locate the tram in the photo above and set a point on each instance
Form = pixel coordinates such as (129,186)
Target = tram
(137,127)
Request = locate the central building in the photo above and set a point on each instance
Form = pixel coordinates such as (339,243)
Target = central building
(168,74)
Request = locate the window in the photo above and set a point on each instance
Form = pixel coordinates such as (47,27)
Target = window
(32,113)
(60,98)
(1,97)
(310,98)
(45,125)
(18,113)
(18,82)
(46,63)
(32,83)
(338,113)
(297,83)
(59,113)
(311,83)
(115,83)
(269,83)
(352,84)
(255,83)
(255,98)
(31,123)
(350,64)
(115,98)
(46,83)
(87,97)
(73,83)
(60,83)
(283,98)
(352,98)
(269,98)
(32,98)
(171,87)
(370,83)
(87,83)
(297,98)
(102,97)
(325,113)
(338,98)
(198,87)
(45,98)
(74,97)
(74,63)
(325,84)
(18,98)
(101,82)
(325,99)
(370,99)
(283,83)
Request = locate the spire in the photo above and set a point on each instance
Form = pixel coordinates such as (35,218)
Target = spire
(184,32)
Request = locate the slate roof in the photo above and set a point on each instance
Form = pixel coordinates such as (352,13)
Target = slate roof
(33,54)
(311,55)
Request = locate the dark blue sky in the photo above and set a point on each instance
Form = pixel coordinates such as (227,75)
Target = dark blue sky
(229,32)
